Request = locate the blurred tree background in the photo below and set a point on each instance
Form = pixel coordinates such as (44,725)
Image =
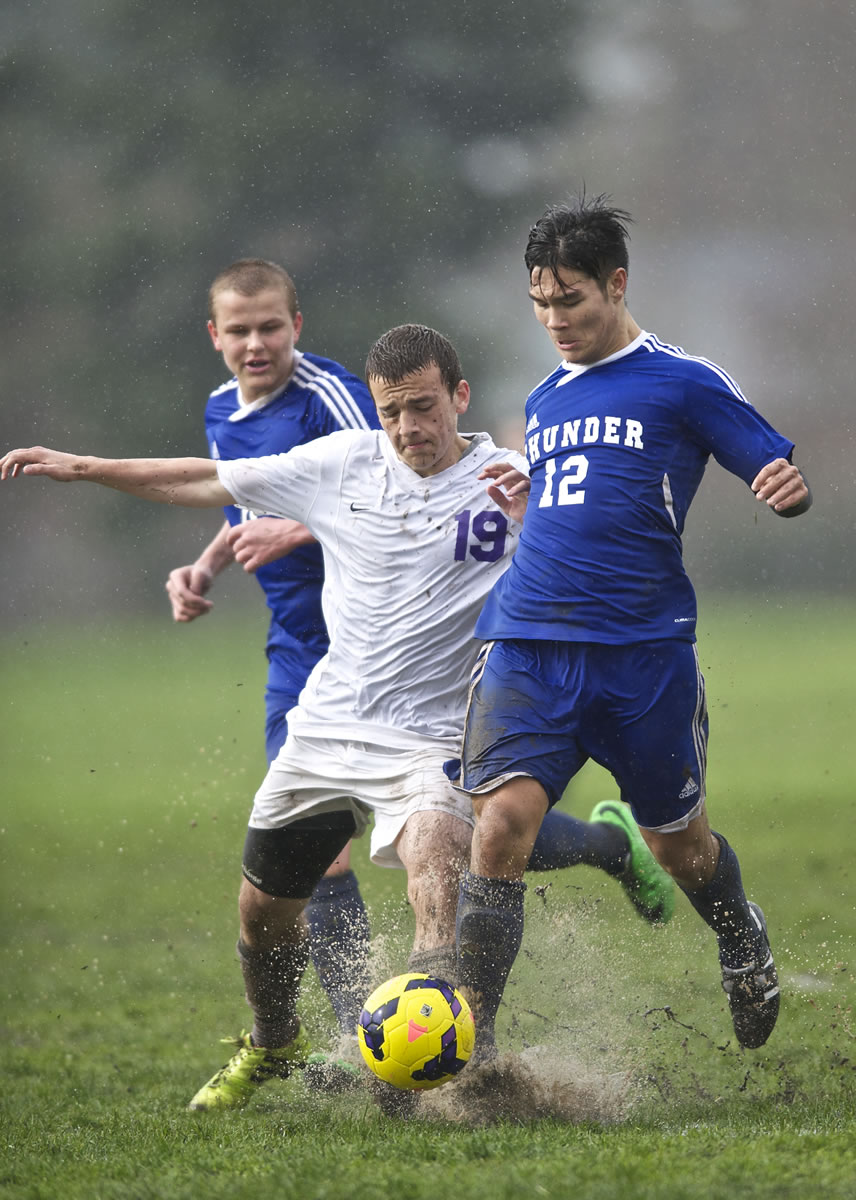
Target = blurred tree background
(393,156)
(368,148)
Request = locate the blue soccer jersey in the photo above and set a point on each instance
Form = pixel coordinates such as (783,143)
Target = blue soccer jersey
(320,398)
(617,451)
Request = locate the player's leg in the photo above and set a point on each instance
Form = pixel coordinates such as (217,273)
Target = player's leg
(657,749)
(706,869)
(424,825)
(518,753)
(338,923)
(273,952)
(490,904)
(281,867)
(434,848)
(421,824)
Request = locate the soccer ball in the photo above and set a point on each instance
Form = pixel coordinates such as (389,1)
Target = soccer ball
(416,1032)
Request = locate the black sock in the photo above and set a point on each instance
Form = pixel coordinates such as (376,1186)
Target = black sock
(339,945)
(489,933)
(272,983)
(566,841)
(722,904)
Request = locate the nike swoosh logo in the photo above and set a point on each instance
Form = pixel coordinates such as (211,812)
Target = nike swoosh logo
(359,507)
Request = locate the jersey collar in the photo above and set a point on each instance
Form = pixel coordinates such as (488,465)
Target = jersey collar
(575,369)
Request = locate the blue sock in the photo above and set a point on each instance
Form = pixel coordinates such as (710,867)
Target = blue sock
(339,942)
(489,932)
(566,841)
(721,903)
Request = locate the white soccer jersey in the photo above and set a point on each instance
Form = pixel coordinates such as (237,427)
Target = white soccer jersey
(408,562)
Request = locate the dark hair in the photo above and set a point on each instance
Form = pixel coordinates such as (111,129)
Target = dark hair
(249,276)
(409,348)
(584,235)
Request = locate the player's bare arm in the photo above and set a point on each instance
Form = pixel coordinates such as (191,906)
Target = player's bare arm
(252,544)
(190,482)
(509,489)
(255,543)
(782,486)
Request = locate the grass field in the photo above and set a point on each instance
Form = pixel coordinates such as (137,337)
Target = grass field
(130,755)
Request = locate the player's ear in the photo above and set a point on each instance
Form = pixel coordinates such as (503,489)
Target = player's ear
(462,397)
(616,285)
(298,324)
(212,329)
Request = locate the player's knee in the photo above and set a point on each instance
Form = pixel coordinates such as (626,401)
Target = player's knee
(287,863)
(507,821)
(689,860)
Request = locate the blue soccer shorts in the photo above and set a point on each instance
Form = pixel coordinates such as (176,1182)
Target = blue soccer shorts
(544,708)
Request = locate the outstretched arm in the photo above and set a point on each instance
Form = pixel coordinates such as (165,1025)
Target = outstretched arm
(783,487)
(191,482)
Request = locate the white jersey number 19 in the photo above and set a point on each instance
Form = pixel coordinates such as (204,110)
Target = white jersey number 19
(489,529)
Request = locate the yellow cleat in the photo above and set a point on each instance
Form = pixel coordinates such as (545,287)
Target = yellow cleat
(234,1085)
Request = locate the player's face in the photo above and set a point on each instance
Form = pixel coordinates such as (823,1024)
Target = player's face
(256,336)
(585,322)
(420,418)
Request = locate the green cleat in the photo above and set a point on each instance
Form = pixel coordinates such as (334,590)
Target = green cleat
(234,1085)
(650,890)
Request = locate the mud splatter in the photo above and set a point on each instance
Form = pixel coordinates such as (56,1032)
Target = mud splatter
(534,1084)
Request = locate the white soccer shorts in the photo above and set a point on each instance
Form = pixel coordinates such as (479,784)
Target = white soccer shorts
(315,775)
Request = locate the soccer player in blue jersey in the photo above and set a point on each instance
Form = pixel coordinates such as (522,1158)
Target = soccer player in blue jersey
(280,397)
(590,635)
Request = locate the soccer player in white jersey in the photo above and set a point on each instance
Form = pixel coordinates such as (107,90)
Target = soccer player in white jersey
(592,629)
(280,397)
(412,544)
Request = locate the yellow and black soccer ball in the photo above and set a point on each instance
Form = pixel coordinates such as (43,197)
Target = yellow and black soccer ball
(416,1032)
